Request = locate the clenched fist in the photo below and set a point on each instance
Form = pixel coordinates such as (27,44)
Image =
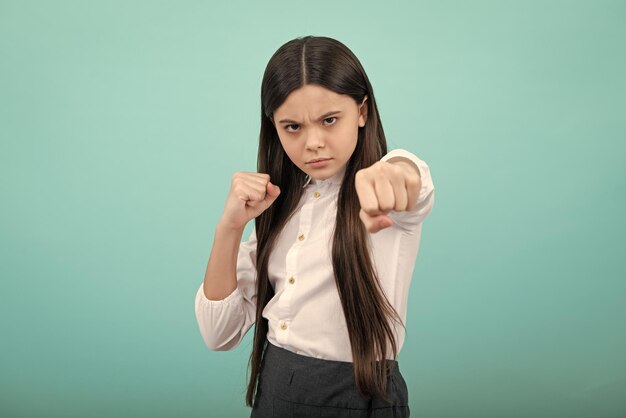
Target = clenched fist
(386,186)
(250,195)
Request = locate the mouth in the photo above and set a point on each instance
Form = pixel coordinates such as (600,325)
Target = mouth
(317,160)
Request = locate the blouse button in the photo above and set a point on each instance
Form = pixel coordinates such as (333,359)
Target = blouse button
(301,237)
(292,280)
(283,326)
(316,195)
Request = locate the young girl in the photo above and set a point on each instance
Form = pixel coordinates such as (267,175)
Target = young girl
(325,273)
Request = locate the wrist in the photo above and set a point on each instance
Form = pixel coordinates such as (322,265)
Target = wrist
(229,227)
(406,163)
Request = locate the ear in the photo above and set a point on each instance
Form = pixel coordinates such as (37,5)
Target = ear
(363,112)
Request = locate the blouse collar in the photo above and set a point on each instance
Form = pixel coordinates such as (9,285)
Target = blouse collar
(337,179)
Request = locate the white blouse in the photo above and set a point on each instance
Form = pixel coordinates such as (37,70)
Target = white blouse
(305,315)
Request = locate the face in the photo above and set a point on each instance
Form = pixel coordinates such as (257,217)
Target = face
(316,123)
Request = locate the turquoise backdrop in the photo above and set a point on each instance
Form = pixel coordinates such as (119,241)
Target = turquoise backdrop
(121,123)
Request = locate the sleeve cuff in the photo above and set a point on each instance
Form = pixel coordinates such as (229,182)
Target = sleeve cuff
(400,153)
(234,297)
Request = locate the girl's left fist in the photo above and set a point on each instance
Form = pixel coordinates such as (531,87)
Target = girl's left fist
(386,186)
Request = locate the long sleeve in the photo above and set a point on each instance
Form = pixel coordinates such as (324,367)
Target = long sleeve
(224,323)
(426,198)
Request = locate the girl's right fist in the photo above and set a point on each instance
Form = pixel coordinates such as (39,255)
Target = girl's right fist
(250,194)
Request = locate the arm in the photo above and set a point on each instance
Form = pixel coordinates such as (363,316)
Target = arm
(220,279)
(226,300)
(225,303)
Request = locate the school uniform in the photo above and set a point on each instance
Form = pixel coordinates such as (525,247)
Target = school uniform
(307,368)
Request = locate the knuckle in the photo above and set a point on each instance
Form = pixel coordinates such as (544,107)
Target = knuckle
(369,208)
(413,182)
(238,178)
(386,207)
(397,168)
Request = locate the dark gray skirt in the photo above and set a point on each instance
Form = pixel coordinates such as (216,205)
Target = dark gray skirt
(293,385)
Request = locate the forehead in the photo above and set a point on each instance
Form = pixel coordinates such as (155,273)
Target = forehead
(312,100)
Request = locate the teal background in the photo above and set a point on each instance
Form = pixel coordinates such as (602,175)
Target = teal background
(122,122)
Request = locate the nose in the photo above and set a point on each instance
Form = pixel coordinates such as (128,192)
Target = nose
(314,139)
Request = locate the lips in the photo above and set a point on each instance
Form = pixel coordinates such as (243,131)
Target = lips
(317,159)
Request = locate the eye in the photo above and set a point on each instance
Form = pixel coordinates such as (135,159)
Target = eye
(287,127)
(332,117)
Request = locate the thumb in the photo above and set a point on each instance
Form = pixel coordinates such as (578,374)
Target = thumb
(378,223)
(272,193)
(375,223)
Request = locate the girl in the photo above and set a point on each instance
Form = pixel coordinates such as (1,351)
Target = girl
(325,273)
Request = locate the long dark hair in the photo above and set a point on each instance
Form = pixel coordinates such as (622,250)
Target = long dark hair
(328,63)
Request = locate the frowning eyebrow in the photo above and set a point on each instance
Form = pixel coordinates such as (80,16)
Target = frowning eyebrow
(324,116)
